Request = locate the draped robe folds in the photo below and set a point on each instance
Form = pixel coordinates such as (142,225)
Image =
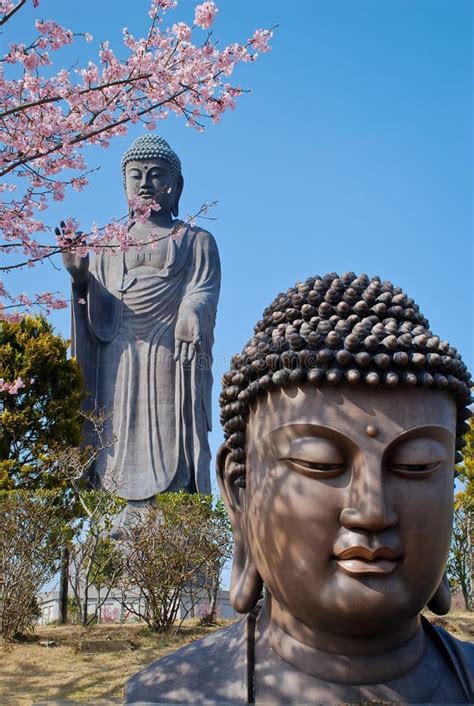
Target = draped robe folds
(159,410)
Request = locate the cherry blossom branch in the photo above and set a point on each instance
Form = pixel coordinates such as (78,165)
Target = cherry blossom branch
(78,242)
(47,120)
(84,138)
(82,92)
(8,15)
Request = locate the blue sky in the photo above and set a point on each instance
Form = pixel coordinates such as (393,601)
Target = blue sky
(353,152)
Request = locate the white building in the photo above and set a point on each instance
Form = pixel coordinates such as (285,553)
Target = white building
(113,609)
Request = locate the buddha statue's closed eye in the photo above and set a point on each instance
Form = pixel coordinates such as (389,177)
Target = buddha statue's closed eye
(343,417)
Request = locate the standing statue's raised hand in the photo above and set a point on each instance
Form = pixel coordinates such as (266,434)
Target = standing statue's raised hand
(77,265)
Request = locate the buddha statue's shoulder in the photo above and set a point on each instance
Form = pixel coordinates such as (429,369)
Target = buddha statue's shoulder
(210,670)
(466,649)
(460,655)
(200,237)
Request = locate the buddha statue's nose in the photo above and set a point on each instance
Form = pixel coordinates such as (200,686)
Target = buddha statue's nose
(368,506)
(144,182)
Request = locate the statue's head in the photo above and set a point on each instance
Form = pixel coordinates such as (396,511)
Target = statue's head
(152,170)
(343,420)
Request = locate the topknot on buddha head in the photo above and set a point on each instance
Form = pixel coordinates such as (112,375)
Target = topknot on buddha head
(335,330)
(152,147)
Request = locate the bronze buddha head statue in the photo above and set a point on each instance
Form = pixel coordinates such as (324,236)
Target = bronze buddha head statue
(343,419)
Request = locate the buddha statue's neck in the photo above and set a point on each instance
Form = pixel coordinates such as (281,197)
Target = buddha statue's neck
(344,659)
(161,219)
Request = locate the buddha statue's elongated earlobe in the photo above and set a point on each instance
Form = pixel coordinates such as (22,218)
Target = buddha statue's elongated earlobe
(246,584)
(440,602)
(178,188)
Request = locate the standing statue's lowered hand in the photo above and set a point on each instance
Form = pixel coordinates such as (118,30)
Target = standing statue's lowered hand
(187,337)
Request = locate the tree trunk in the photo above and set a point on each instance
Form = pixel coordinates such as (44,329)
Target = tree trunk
(469,602)
(63,585)
(122,607)
(465,595)
(213,603)
(85,605)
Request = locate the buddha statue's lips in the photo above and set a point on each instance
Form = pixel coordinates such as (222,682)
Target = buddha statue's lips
(362,560)
(362,552)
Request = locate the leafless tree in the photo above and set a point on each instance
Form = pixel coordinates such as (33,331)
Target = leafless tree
(171,554)
(94,559)
(30,540)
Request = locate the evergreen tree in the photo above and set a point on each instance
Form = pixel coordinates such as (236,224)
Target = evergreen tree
(41,417)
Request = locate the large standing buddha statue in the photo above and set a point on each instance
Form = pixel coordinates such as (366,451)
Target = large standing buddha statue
(144,336)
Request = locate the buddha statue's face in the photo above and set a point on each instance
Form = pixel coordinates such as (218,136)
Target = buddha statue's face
(347,509)
(152,180)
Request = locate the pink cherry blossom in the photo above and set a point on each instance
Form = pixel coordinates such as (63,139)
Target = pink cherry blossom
(204,14)
(182,31)
(260,40)
(59,304)
(11,387)
(158,6)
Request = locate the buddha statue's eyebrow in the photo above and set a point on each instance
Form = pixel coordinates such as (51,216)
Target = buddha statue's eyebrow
(428,431)
(300,429)
(157,167)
